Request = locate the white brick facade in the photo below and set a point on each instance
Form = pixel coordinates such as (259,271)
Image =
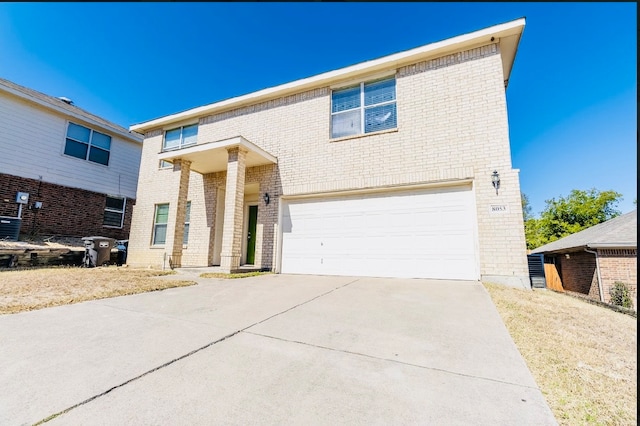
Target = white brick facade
(452,126)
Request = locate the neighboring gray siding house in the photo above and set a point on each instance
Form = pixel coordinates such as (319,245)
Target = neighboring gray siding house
(592,260)
(79,172)
(383,168)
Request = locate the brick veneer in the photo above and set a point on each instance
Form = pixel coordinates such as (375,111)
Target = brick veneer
(65,211)
(452,126)
(618,265)
(579,274)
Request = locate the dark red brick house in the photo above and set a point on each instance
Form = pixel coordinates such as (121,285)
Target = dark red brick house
(589,262)
(63,170)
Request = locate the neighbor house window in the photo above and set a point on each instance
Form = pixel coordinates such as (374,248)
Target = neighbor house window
(364,108)
(180,137)
(187,219)
(160,224)
(114,212)
(87,144)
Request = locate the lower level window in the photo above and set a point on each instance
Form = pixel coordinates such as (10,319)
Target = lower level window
(187,220)
(160,224)
(114,212)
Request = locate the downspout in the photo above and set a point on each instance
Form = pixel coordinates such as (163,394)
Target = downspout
(597,273)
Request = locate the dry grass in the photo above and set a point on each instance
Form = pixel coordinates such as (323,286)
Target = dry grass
(582,356)
(26,290)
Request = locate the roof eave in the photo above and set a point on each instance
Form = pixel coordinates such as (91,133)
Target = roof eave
(509,31)
(128,135)
(586,246)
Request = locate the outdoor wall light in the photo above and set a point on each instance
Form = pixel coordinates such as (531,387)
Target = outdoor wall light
(495,180)
(265,197)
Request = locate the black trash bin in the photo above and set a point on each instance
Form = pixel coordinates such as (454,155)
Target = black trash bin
(122,252)
(97,251)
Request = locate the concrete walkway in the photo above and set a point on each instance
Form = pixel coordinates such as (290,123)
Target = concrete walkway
(273,349)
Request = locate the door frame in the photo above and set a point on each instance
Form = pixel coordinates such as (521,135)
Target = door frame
(245,229)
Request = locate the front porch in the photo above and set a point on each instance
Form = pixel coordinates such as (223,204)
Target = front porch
(240,206)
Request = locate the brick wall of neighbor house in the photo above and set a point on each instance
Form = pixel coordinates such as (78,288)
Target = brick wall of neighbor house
(578,273)
(65,211)
(618,265)
(452,124)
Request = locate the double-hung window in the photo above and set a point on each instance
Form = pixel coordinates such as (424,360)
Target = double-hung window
(114,212)
(180,137)
(87,144)
(160,224)
(187,220)
(364,108)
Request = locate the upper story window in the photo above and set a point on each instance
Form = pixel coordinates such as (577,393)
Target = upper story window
(87,144)
(364,108)
(114,211)
(180,137)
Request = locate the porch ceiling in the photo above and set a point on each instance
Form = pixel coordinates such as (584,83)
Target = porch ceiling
(212,157)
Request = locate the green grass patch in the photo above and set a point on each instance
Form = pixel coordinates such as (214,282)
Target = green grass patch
(232,276)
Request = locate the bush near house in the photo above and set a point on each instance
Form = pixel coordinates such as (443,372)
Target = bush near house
(620,295)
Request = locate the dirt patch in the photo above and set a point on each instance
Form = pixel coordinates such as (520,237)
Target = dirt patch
(44,243)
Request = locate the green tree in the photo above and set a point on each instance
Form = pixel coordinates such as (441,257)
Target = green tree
(566,216)
(526,207)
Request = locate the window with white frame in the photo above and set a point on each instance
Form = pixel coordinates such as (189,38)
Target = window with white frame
(160,220)
(364,108)
(180,137)
(187,220)
(114,212)
(87,144)
(164,164)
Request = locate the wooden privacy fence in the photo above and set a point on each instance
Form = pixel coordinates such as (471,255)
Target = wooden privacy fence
(552,277)
(543,272)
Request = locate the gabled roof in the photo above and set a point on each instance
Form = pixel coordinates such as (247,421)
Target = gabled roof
(66,109)
(506,35)
(619,232)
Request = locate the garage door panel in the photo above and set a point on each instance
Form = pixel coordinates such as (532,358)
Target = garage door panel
(427,234)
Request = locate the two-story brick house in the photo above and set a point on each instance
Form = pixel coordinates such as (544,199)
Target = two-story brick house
(384,168)
(63,170)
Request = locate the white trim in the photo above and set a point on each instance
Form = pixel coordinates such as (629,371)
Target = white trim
(278,238)
(382,189)
(363,107)
(227,143)
(89,144)
(481,37)
(123,211)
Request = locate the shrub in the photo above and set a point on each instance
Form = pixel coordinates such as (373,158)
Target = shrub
(620,295)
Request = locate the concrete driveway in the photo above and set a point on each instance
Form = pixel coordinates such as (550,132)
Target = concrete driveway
(273,349)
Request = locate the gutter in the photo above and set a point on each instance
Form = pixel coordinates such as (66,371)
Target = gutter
(597,273)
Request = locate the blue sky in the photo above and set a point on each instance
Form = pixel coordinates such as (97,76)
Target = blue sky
(572,96)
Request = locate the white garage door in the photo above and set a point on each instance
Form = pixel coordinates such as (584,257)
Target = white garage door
(409,234)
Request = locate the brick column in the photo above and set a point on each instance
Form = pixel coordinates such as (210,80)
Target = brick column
(184,167)
(233,211)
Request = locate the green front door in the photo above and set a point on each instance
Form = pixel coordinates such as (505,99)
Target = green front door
(251,235)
